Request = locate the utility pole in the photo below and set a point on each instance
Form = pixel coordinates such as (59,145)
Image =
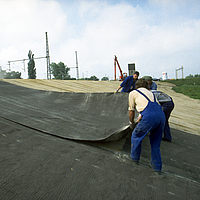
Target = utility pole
(77,65)
(77,73)
(48,58)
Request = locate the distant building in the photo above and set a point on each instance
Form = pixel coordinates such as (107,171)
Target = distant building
(164,76)
(131,68)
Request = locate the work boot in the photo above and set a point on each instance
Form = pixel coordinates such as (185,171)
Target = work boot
(156,172)
(135,162)
(165,139)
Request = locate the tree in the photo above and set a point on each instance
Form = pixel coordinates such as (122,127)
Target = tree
(13,75)
(197,75)
(105,78)
(93,78)
(31,66)
(60,71)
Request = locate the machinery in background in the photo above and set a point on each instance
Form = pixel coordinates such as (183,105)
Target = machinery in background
(131,69)
(122,75)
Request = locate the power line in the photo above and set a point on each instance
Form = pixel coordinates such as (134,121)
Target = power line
(47,57)
(30,44)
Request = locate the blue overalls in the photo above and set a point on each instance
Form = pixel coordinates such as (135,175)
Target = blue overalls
(153,121)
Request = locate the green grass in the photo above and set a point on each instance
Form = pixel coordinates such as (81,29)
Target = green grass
(189,87)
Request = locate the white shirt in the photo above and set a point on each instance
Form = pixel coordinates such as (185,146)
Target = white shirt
(138,101)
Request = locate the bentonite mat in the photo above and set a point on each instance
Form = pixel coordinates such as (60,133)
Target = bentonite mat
(78,116)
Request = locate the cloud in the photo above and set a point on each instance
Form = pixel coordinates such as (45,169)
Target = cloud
(24,21)
(155,40)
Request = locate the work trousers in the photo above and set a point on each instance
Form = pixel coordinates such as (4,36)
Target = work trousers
(167,109)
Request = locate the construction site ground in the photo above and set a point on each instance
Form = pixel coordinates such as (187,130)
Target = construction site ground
(50,150)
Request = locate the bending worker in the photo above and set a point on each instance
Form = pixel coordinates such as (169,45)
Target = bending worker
(167,105)
(129,83)
(152,120)
(152,85)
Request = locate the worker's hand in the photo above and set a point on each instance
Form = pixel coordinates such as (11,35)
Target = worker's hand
(139,118)
(115,91)
(133,125)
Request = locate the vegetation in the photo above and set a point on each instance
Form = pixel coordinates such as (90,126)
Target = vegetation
(92,78)
(105,78)
(191,76)
(189,86)
(31,66)
(60,71)
(12,75)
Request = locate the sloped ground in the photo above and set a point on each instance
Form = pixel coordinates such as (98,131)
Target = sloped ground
(67,85)
(186,114)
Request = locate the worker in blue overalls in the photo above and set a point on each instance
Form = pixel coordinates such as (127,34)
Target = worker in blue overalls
(129,83)
(152,120)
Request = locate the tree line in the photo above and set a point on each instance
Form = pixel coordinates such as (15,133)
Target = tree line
(58,70)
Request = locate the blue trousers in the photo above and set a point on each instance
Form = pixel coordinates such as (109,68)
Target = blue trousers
(167,109)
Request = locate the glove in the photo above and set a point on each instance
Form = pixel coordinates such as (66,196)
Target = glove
(115,91)
(132,126)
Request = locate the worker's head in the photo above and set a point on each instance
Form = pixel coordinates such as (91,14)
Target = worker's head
(141,83)
(148,79)
(136,75)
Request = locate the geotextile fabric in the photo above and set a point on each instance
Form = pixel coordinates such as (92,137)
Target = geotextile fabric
(78,116)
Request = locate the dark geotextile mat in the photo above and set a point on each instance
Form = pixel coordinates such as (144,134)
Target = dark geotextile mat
(35,165)
(42,154)
(79,116)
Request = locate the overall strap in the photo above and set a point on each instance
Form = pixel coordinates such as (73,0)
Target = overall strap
(145,95)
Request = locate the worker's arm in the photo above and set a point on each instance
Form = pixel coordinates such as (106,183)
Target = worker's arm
(118,89)
(131,116)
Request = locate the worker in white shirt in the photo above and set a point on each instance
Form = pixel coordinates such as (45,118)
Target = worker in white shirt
(152,120)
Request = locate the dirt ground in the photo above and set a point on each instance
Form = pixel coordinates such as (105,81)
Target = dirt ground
(185,116)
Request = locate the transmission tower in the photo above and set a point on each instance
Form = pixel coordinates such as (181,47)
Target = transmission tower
(48,58)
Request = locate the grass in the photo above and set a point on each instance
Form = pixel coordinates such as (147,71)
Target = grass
(189,87)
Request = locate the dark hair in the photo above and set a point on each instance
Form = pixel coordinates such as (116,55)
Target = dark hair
(141,83)
(148,78)
(137,73)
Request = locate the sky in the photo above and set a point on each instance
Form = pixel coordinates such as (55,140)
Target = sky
(157,35)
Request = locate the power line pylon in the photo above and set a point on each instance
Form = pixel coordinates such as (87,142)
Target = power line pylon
(48,58)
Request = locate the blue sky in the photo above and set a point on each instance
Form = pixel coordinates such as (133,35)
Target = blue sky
(157,35)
